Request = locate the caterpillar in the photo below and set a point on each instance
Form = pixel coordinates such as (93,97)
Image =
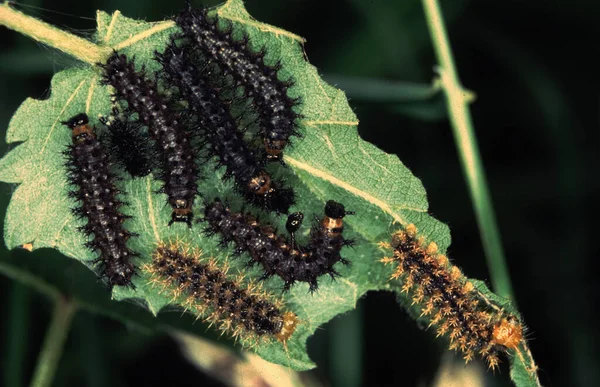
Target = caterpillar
(234,57)
(127,144)
(238,308)
(220,130)
(473,324)
(172,141)
(275,253)
(88,167)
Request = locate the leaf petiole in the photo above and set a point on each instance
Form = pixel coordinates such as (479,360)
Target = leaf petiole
(52,349)
(73,45)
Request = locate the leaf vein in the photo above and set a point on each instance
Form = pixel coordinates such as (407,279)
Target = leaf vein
(59,232)
(348,187)
(261,26)
(158,27)
(330,122)
(111,26)
(324,92)
(69,100)
(151,209)
(354,289)
(88,101)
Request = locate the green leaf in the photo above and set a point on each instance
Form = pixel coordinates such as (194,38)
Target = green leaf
(519,366)
(330,161)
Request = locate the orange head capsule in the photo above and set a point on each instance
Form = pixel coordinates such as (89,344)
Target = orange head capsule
(260,184)
(182,212)
(274,149)
(508,332)
(80,127)
(333,221)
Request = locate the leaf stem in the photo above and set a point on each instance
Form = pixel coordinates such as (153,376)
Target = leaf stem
(383,91)
(457,100)
(16,335)
(73,45)
(31,280)
(52,349)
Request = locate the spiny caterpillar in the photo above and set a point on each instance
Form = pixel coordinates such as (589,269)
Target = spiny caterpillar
(88,168)
(474,325)
(127,144)
(248,69)
(238,308)
(220,130)
(173,142)
(275,253)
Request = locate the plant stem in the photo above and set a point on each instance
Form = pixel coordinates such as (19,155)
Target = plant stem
(457,100)
(17,337)
(54,341)
(31,280)
(73,45)
(382,91)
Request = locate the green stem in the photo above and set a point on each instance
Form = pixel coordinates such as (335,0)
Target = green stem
(54,341)
(457,100)
(17,335)
(31,280)
(382,91)
(73,45)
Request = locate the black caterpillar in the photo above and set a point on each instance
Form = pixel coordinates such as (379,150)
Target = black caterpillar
(88,168)
(127,144)
(276,255)
(248,69)
(173,142)
(220,130)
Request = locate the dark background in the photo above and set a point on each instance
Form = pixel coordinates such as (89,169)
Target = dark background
(533,67)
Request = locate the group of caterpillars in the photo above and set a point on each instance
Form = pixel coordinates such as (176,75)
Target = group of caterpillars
(204,65)
(203,68)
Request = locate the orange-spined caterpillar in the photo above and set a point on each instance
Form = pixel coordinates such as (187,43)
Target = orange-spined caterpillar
(237,307)
(473,323)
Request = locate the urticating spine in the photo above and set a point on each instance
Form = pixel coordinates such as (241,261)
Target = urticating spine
(88,167)
(275,253)
(220,130)
(173,142)
(473,324)
(127,144)
(240,309)
(248,69)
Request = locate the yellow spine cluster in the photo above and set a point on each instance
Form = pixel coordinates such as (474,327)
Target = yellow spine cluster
(453,305)
(238,307)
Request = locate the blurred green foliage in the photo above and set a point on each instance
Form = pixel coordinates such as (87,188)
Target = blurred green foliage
(536,117)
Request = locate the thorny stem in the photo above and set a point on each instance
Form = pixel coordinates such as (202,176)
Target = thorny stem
(52,349)
(457,102)
(73,45)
